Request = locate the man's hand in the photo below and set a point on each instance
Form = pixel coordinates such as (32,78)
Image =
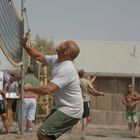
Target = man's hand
(97,73)
(27,87)
(2,92)
(25,39)
(102,94)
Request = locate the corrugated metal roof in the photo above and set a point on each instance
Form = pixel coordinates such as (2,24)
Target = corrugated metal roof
(109,58)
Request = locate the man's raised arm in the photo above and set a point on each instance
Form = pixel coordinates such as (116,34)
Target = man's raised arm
(34,53)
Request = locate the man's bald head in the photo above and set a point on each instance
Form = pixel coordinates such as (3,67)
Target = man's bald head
(73,47)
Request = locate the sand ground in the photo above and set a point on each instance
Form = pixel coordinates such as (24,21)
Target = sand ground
(92,132)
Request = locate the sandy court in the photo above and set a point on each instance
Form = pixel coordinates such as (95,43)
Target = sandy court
(92,132)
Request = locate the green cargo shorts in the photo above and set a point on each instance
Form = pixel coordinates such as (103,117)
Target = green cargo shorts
(57,123)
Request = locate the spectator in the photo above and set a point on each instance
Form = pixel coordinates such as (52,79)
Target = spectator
(87,89)
(11,87)
(129,100)
(3,113)
(29,101)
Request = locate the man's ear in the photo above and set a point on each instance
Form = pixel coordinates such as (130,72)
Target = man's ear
(67,51)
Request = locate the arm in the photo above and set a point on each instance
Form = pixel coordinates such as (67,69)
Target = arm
(6,89)
(136,97)
(124,101)
(17,92)
(42,90)
(94,78)
(3,95)
(37,55)
(94,92)
(134,103)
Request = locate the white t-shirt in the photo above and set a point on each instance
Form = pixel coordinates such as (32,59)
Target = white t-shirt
(68,98)
(1,80)
(1,98)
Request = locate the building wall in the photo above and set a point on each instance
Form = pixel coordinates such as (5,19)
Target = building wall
(109,110)
(115,85)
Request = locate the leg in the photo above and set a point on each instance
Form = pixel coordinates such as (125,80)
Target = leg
(30,114)
(83,124)
(20,126)
(21,114)
(88,120)
(78,126)
(134,127)
(5,122)
(10,112)
(56,124)
(86,115)
(41,137)
(29,125)
(135,120)
(130,126)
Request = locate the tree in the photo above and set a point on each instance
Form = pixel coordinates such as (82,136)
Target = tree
(43,45)
(47,47)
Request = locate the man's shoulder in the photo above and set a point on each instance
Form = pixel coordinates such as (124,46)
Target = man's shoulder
(135,93)
(84,80)
(31,77)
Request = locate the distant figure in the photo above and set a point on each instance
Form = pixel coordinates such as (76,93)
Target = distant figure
(91,78)
(12,87)
(87,90)
(29,101)
(3,110)
(129,100)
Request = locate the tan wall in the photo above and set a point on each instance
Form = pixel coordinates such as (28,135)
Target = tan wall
(109,109)
(115,85)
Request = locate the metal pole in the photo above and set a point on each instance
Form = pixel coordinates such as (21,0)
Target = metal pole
(22,7)
(133,82)
(22,96)
(22,68)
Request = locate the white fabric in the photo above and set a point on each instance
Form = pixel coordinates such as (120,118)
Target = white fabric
(11,95)
(1,83)
(1,98)
(29,109)
(1,80)
(6,76)
(68,98)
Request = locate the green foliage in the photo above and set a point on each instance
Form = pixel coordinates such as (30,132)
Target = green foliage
(47,47)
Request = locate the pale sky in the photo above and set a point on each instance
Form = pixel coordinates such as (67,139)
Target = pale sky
(95,20)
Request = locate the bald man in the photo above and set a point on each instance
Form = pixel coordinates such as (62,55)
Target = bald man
(64,86)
